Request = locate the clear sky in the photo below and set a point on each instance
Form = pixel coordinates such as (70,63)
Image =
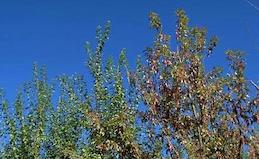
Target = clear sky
(53,32)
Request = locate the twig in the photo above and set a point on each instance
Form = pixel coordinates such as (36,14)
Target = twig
(252,5)
(257,87)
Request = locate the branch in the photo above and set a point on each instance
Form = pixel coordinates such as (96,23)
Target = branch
(257,87)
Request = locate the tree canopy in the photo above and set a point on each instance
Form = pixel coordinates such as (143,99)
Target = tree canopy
(169,106)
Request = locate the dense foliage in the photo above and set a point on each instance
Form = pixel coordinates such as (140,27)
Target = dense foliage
(168,107)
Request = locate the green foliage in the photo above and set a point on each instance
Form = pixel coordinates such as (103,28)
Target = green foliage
(188,112)
(112,131)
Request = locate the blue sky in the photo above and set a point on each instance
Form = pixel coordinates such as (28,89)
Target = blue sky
(53,32)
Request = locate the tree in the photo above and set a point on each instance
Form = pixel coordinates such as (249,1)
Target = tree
(112,127)
(206,114)
(168,107)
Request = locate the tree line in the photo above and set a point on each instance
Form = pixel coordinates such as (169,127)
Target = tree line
(169,106)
